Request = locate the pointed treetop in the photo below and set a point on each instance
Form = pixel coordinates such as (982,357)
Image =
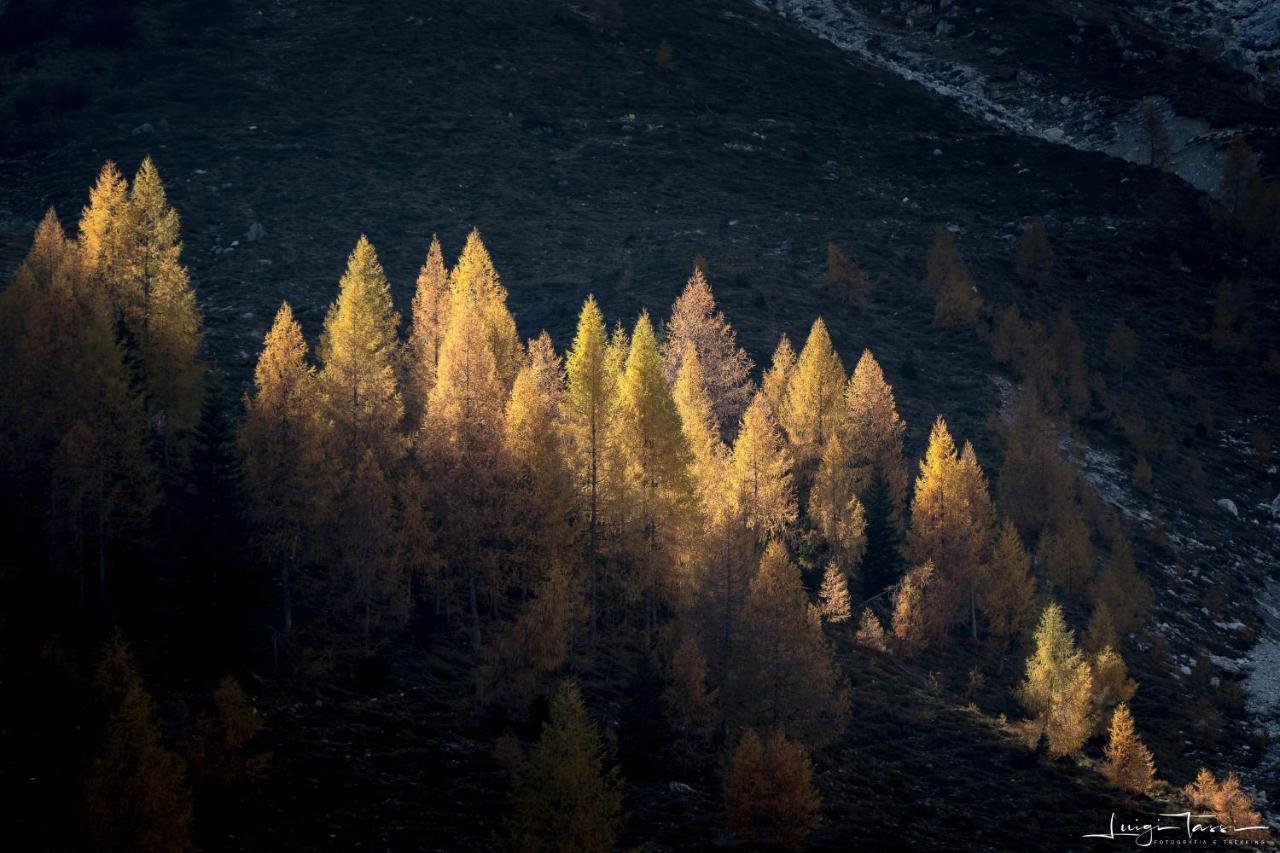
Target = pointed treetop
(695,321)
(284,350)
(474,273)
(776,378)
(106,201)
(809,408)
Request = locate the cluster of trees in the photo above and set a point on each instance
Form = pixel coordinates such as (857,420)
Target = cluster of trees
(139,788)
(638,490)
(99,356)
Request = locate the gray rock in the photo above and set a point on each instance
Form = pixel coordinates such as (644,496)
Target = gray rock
(1228,506)
(144,128)
(679,788)
(255,232)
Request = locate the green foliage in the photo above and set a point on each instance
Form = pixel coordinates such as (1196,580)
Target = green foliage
(564,797)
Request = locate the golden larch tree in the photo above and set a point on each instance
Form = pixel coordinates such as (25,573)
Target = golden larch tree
(585,415)
(709,457)
(811,408)
(870,634)
(1058,684)
(726,368)
(461,440)
(473,277)
(279,451)
(834,594)
(1111,684)
(951,525)
(915,623)
(359,352)
(1128,761)
(762,471)
(834,508)
(773,385)
(430,309)
(656,454)
(161,316)
(872,432)
(540,486)
(102,230)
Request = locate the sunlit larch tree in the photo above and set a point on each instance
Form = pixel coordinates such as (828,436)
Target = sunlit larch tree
(722,555)
(834,508)
(1128,761)
(429,313)
(811,408)
(539,481)
(461,440)
(784,673)
(585,414)
(1111,685)
(101,235)
(762,471)
(618,489)
(773,385)
(871,431)
(279,451)
(361,411)
(912,625)
(474,274)
(725,367)
(359,351)
(161,316)
(951,521)
(834,594)
(657,457)
(1056,690)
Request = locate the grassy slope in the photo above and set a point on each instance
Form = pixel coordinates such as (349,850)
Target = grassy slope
(322,121)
